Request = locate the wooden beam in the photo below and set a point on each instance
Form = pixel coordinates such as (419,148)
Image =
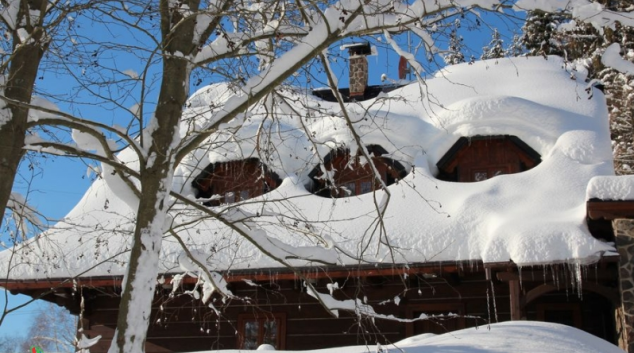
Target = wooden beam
(310,273)
(260,275)
(609,293)
(538,292)
(266,276)
(598,209)
(507,276)
(514,294)
(61,283)
(603,274)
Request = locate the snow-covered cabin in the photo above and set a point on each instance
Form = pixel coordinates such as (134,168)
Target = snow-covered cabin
(487,168)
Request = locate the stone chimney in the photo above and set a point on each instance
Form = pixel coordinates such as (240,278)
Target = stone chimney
(358,68)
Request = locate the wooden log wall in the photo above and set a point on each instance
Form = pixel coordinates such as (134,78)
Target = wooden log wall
(183,323)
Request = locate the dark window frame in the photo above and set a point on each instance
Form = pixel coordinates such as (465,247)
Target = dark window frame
(518,157)
(246,177)
(279,318)
(340,159)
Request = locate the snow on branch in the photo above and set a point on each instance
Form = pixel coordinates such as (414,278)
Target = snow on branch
(411,60)
(9,13)
(583,10)
(123,185)
(282,252)
(327,26)
(44,113)
(363,310)
(84,343)
(333,305)
(23,211)
(612,58)
(192,262)
(245,224)
(349,18)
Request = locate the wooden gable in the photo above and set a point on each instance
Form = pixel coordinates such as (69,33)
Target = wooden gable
(352,176)
(482,157)
(228,182)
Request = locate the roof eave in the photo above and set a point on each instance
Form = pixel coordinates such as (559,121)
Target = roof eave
(265,274)
(610,209)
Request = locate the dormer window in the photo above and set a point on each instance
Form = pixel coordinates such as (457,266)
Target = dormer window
(479,158)
(229,182)
(353,175)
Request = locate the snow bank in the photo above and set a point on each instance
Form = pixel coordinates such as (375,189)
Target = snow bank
(513,336)
(534,217)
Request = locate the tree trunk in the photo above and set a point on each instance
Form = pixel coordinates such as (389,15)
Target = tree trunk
(156,180)
(19,86)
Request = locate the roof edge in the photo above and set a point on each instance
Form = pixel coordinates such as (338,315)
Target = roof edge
(265,274)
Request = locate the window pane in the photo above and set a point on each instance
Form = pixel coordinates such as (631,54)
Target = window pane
(250,335)
(366,186)
(350,189)
(270,333)
(480,176)
(230,197)
(498,171)
(244,195)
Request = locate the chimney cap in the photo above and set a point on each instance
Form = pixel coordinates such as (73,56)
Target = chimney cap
(358,48)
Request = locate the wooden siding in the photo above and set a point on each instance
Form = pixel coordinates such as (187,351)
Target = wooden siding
(480,158)
(183,323)
(609,210)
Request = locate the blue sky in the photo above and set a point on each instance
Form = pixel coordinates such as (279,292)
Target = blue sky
(63,183)
(59,183)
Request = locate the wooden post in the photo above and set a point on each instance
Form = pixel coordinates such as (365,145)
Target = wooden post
(514,291)
(515,295)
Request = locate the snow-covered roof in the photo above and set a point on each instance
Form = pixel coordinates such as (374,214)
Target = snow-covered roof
(533,217)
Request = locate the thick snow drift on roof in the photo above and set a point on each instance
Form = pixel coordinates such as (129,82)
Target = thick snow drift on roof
(506,337)
(534,217)
(614,188)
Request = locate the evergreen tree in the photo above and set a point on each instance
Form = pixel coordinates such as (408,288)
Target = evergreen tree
(454,53)
(585,44)
(619,90)
(495,49)
(540,35)
(516,48)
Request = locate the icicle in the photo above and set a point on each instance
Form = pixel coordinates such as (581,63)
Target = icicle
(495,307)
(488,307)
(579,279)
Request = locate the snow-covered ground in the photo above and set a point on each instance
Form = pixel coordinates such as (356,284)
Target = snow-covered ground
(506,337)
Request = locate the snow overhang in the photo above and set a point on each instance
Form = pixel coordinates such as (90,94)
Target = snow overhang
(610,197)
